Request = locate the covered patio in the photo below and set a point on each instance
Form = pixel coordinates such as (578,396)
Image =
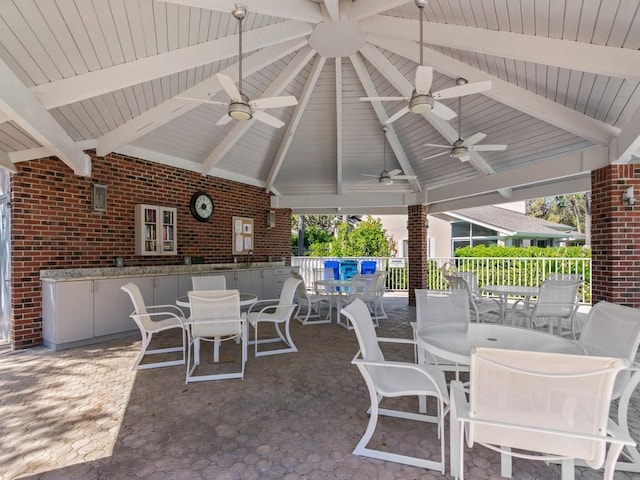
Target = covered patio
(83,414)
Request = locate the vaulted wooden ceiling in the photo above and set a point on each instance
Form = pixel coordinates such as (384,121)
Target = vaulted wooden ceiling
(106,75)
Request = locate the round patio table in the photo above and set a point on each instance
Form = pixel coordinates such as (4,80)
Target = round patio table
(504,291)
(338,288)
(455,341)
(246,299)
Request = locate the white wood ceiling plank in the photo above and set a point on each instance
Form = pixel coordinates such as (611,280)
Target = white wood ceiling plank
(627,144)
(572,19)
(333,9)
(15,138)
(102,10)
(86,125)
(552,82)
(556,19)
(120,76)
(627,12)
(528,17)
(608,97)
(161,26)
(173,13)
(633,38)
(60,115)
(588,17)
(134,19)
(502,15)
(596,93)
(121,21)
(105,113)
(287,9)
(69,11)
(361,10)
(291,70)
(184,15)
(6,162)
(194,26)
(467,13)
(457,15)
(541,17)
(509,94)
(40,28)
(586,57)
(205,25)
(338,100)
(515,17)
(562,90)
(605,19)
(435,12)
(140,97)
(541,79)
(23,108)
(487,11)
(147,21)
(92,25)
(123,105)
(28,66)
(112,106)
(583,93)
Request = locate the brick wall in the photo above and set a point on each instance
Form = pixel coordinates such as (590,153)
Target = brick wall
(615,236)
(417,240)
(53,226)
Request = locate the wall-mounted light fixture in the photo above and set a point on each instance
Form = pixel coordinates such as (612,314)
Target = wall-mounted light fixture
(271,219)
(628,198)
(98,198)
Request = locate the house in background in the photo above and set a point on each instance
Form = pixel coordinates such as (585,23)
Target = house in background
(504,224)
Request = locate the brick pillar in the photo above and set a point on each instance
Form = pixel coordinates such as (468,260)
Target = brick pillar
(615,236)
(417,226)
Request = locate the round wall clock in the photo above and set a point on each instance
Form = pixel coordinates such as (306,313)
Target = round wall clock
(201,206)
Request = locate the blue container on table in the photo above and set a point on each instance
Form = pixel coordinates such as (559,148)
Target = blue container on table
(331,270)
(367,267)
(348,268)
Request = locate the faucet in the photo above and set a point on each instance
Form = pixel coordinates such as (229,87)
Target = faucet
(249,258)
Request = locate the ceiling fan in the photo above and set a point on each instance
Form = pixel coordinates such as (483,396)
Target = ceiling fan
(240,107)
(461,148)
(422,100)
(385,177)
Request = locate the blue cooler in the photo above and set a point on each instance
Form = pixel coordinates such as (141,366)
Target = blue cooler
(348,268)
(367,267)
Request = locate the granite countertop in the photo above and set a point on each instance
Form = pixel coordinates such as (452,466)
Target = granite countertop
(119,272)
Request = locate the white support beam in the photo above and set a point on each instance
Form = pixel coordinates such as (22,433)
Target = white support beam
(333,9)
(292,69)
(505,92)
(392,136)
(21,106)
(339,178)
(290,9)
(585,57)
(42,152)
(5,162)
(563,166)
(562,187)
(283,149)
(627,145)
(405,87)
(363,9)
(348,201)
(88,85)
(173,108)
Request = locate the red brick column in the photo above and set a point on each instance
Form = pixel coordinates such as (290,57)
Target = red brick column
(615,236)
(417,226)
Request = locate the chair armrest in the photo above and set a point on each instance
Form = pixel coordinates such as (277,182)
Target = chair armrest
(272,307)
(272,301)
(170,307)
(459,409)
(620,436)
(396,340)
(180,317)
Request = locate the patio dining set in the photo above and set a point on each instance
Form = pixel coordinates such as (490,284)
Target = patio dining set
(519,377)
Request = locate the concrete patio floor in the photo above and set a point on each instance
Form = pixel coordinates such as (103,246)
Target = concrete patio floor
(84,414)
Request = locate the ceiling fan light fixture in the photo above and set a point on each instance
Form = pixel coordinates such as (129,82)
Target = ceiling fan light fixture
(459,152)
(420,103)
(240,111)
(385,181)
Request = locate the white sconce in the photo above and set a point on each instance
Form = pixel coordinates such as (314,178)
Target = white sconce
(628,198)
(271,219)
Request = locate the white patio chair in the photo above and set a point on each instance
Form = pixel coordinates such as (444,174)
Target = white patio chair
(209,282)
(277,312)
(539,406)
(366,289)
(311,300)
(482,307)
(435,308)
(557,301)
(394,379)
(161,318)
(215,316)
(613,330)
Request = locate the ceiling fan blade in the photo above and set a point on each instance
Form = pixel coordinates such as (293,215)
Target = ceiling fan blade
(442,111)
(368,175)
(404,177)
(394,172)
(229,87)
(436,145)
(436,155)
(224,120)
(488,148)
(462,90)
(383,99)
(400,113)
(473,139)
(424,78)
(274,102)
(200,100)
(268,119)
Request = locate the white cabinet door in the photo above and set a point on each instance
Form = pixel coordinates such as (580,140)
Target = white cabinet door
(268,288)
(112,306)
(165,290)
(67,312)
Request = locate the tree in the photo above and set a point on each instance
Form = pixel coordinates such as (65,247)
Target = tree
(573,209)
(367,239)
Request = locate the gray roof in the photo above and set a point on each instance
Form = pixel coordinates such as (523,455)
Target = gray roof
(513,223)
